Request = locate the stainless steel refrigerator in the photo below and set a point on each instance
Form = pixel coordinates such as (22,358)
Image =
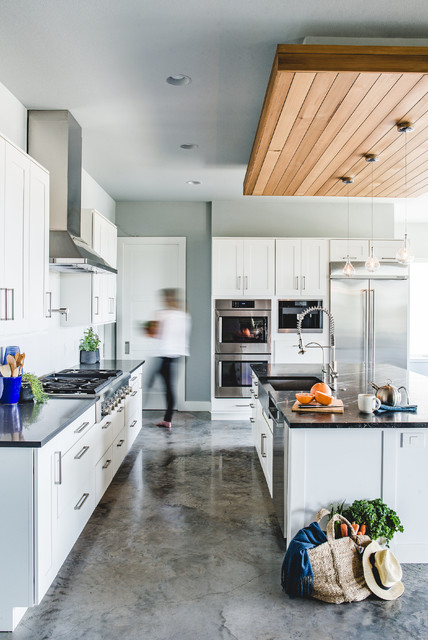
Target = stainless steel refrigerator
(370,312)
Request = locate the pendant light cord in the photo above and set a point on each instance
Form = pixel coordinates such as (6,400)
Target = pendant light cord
(372,220)
(405,183)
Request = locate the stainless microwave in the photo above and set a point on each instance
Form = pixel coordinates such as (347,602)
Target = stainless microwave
(288,310)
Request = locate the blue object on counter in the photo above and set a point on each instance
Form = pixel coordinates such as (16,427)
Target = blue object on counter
(385,407)
(11,390)
(10,351)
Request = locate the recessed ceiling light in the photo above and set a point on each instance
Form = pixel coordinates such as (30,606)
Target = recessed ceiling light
(189,146)
(179,80)
(192,182)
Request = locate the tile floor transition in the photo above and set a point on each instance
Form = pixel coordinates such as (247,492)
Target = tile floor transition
(184,546)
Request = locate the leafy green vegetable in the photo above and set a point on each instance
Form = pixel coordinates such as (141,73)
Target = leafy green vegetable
(90,340)
(380,520)
(36,387)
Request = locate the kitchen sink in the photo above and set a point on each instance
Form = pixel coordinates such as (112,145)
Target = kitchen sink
(293,383)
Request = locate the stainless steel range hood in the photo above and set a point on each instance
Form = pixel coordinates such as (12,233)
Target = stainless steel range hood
(55,140)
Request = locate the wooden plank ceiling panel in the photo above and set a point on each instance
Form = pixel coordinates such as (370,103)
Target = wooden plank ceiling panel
(326,107)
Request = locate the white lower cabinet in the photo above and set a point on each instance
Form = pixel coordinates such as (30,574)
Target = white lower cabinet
(262,431)
(51,493)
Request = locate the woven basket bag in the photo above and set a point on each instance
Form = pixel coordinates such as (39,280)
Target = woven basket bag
(337,567)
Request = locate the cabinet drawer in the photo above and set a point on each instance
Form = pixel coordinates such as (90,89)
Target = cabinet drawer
(136,378)
(120,449)
(75,515)
(107,430)
(74,467)
(134,428)
(133,404)
(76,430)
(103,474)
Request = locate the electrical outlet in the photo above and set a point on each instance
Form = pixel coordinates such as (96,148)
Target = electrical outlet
(412,440)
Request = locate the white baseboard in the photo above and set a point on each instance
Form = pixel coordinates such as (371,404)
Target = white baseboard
(230,415)
(195,405)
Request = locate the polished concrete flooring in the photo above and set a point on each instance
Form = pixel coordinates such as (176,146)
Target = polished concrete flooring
(184,546)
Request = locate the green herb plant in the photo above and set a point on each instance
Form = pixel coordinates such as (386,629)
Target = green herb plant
(90,340)
(36,387)
(380,520)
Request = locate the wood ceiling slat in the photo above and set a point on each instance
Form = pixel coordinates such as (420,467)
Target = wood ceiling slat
(313,149)
(335,96)
(307,140)
(314,99)
(423,188)
(276,94)
(360,144)
(354,120)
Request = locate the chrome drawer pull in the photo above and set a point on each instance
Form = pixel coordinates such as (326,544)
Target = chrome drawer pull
(58,468)
(120,443)
(251,405)
(134,378)
(81,453)
(107,464)
(120,410)
(81,502)
(134,393)
(106,425)
(80,429)
(262,447)
(252,420)
(133,424)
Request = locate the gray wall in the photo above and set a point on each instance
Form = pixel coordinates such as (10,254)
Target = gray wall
(301,218)
(192,220)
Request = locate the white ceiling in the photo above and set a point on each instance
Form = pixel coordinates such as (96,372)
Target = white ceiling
(107,62)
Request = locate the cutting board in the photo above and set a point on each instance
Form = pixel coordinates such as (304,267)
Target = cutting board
(335,407)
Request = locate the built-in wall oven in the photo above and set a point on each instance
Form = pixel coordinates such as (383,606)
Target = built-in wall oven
(242,338)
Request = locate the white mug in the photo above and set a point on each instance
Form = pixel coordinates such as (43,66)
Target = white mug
(367,402)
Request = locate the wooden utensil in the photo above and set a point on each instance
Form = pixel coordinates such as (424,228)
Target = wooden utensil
(5,370)
(11,362)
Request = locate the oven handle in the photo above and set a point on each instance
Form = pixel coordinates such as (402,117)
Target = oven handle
(220,329)
(220,381)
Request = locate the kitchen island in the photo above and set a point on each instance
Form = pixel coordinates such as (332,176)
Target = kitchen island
(312,460)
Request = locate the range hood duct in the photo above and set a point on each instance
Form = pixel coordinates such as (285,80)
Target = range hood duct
(55,140)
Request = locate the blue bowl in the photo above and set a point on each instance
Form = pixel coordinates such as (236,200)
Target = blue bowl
(11,390)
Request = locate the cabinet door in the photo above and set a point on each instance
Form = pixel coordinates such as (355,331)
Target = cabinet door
(357,250)
(3,291)
(314,265)
(288,260)
(258,269)
(98,298)
(227,267)
(104,238)
(17,189)
(38,244)
(385,250)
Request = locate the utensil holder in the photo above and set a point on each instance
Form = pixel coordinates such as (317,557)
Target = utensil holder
(11,390)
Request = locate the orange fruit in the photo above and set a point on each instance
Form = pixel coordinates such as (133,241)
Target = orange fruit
(322,387)
(323,398)
(304,398)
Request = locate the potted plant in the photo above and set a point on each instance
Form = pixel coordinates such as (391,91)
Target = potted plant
(32,389)
(89,347)
(381,521)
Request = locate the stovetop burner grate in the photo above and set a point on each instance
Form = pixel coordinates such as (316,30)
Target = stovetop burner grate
(78,382)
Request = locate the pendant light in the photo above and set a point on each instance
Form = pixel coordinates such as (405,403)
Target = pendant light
(348,269)
(404,255)
(372,263)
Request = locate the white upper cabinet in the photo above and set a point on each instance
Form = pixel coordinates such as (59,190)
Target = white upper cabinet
(104,238)
(24,240)
(386,250)
(301,267)
(243,266)
(358,250)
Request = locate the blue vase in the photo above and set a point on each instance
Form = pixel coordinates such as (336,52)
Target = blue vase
(89,357)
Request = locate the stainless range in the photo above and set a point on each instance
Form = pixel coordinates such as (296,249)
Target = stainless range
(109,386)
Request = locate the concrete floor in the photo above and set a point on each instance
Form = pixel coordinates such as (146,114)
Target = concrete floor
(184,546)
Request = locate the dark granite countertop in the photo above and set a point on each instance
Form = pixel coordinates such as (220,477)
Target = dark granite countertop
(33,425)
(353,379)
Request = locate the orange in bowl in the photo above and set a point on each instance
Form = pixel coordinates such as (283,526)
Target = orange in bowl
(323,398)
(322,387)
(304,398)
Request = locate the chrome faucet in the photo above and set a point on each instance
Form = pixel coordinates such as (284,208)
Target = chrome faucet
(329,372)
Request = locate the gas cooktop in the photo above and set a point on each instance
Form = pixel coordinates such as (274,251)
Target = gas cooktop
(78,382)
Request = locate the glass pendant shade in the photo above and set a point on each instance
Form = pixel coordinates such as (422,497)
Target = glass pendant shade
(348,269)
(372,263)
(404,255)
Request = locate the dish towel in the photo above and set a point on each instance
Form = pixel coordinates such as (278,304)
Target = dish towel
(296,573)
(385,407)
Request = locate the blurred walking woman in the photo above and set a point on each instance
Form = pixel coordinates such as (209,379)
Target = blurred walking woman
(173,330)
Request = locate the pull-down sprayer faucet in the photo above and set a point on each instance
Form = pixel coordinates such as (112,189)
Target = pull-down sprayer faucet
(329,372)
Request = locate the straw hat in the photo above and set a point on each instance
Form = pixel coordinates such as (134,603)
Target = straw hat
(382,572)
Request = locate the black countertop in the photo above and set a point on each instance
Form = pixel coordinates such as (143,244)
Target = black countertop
(353,379)
(33,425)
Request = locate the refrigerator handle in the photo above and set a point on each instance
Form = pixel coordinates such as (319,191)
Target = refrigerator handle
(366,325)
(372,328)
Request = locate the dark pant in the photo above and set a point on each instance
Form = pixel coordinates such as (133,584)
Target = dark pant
(167,372)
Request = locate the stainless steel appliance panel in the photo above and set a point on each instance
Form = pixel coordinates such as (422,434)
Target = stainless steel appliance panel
(243,326)
(388,322)
(233,374)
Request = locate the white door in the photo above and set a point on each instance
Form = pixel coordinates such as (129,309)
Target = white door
(288,259)
(145,266)
(259,266)
(314,263)
(227,266)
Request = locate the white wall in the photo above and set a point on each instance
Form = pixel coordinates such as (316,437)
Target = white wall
(56,347)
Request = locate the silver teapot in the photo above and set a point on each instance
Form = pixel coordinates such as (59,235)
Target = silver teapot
(388,394)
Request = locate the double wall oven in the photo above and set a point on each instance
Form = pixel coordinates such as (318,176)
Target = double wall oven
(242,338)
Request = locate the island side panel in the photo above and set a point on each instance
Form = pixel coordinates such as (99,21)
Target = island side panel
(329,466)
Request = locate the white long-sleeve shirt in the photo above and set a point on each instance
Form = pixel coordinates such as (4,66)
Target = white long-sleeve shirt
(174,332)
